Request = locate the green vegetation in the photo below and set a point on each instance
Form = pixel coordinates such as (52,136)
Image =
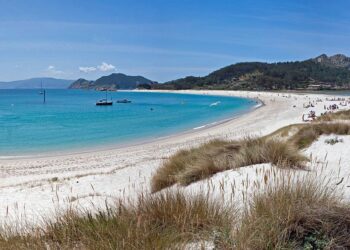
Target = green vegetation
(266,76)
(333,141)
(327,72)
(144,86)
(112,82)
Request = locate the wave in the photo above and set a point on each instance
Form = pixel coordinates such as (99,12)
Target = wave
(199,127)
(215,104)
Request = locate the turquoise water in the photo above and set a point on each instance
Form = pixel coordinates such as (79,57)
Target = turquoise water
(70,120)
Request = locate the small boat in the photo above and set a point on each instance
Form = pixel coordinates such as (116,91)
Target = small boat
(104,102)
(124,101)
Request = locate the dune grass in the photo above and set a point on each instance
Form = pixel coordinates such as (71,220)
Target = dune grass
(281,148)
(203,158)
(188,166)
(285,132)
(162,221)
(289,214)
(301,215)
(339,115)
(305,215)
(311,132)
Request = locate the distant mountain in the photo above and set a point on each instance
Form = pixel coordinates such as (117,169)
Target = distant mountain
(35,83)
(112,82)
(81,84)
(322,72)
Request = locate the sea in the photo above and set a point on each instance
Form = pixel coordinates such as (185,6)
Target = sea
(69,120)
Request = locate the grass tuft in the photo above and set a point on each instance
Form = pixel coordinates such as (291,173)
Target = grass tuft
(304,215)
(310,133)
(199,159)
(188,166)
(339,115)
(280,148)
(160,221)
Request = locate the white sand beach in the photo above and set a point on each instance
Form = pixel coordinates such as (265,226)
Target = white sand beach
(33,189)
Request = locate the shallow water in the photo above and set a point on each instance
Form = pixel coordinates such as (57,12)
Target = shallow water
(69,119)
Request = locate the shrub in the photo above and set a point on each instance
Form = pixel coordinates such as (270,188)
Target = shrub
(333,141)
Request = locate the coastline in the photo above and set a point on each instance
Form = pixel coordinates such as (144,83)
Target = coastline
(41,186)
(134,143)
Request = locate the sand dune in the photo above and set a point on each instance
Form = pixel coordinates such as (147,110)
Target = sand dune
(34,188)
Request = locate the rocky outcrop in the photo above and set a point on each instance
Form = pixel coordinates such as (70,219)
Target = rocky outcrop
(338,60)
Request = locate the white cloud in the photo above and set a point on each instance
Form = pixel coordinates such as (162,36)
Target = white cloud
(52,70)
(87,69)
(104,67)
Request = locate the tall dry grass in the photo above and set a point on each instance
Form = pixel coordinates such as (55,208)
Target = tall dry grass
(162,221)
(206,159)
(285,132)
(188,166)
(339,115)
(302,215)
(306,135)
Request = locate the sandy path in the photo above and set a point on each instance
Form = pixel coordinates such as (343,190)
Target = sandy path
(29,190)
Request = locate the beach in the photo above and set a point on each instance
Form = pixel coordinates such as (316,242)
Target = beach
(35,188)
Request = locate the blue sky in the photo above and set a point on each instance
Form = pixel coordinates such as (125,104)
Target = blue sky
(163,39)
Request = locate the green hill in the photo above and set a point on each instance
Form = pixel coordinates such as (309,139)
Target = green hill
(327,73)
(112,82)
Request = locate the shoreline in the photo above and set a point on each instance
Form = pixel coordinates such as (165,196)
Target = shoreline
(141,142)
(39,187)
